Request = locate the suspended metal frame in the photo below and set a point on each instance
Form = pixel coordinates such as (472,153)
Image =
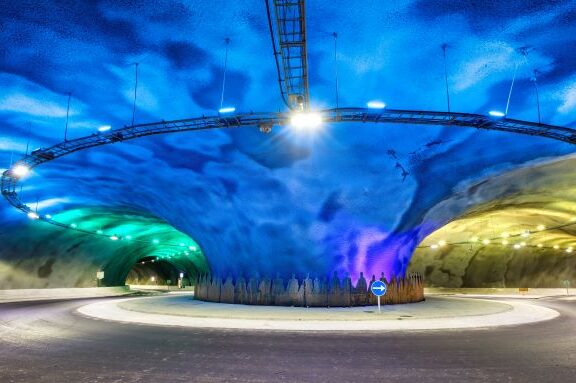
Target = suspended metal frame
(38,157)
(288,32)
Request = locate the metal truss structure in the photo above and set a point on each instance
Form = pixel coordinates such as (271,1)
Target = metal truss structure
(288,32)
(10,179)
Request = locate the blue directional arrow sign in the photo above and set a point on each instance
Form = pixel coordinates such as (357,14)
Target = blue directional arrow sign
(378,288)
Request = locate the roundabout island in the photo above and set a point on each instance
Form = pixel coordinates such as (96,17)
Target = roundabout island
(436,313)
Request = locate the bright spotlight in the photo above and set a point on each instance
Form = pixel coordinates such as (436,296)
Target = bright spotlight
(539,245)
(434,246)
(541,227)
(73,225)
(155,241)
(375,104)
(306,120)
(48,216)
(114,237)
(486,241)
(33,215)
(556,247)
(496,113)
(441,243)
(516,246)
(227,109)
(104,128)
(20,170)
(192,248)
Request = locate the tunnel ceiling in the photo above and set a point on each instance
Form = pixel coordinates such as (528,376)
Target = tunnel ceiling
(350,198)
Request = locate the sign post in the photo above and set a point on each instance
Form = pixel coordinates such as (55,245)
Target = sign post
(378,288)
(99,277)
(566,284)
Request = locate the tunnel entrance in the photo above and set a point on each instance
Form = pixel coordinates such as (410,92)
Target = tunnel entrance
(151,271)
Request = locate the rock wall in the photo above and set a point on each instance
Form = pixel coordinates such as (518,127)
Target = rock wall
(306,292)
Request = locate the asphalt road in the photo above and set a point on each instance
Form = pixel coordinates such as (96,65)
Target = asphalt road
(48,342)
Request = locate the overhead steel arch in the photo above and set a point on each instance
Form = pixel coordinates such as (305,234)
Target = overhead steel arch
(266,120)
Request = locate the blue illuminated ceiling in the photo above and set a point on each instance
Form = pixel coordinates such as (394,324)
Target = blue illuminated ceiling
(350,198)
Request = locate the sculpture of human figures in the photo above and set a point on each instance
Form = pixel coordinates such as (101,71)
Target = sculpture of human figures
(325,290)
(206,287)
(240,291)
(347,290)
(307,292)
(334,297)
(198,287)
(371,297)
(227,293)
(214,292)
(318,294)
(278,290)
(383,278)
(292,291)
(252,290)
(264,291)
(360,291)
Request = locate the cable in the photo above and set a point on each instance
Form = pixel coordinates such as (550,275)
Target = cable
(335,35)
(28,141)
(444,46)
(227,41)
(135,92)
(511,87)
(67,115)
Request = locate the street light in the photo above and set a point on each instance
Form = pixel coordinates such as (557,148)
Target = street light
(306,120)
(20,170)
(496,113)
(375,104)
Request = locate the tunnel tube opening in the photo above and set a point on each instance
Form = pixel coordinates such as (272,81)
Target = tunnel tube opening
(150,271)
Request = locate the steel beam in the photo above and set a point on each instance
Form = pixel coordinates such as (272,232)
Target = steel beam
(9,180)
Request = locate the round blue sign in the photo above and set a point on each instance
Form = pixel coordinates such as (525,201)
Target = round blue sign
(378,288)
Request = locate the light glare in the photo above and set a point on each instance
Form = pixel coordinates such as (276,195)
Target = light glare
(20,170)
(375,104)
(306,120)
(227,109)
(496,113)
(104,128)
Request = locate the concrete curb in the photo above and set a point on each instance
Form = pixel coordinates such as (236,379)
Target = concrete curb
(22,295)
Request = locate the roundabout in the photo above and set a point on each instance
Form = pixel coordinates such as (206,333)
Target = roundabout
(62,343)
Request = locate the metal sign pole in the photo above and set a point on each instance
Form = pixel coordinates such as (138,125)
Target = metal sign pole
(379,312)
